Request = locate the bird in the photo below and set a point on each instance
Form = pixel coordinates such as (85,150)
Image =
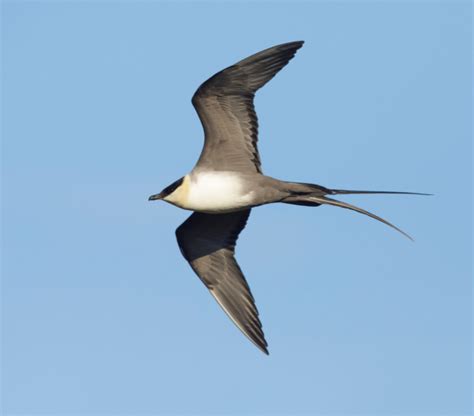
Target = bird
(227,182)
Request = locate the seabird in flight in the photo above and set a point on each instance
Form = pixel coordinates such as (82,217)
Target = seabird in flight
(227,182)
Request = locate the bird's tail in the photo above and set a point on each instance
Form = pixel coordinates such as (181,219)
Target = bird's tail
(318,196)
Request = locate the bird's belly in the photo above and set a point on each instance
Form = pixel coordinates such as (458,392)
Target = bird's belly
(217,192)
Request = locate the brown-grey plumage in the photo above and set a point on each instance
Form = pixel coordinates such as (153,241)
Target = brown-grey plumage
(207,242)
(227,182)
(225,106)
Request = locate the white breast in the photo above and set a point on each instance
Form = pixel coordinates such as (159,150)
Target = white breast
(214,192)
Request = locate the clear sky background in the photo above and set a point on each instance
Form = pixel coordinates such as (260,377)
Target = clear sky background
(102,315)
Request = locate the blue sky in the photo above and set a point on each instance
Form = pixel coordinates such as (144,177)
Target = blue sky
(102,315)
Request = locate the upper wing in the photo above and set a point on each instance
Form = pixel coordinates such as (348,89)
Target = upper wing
(224,104)
(207,242)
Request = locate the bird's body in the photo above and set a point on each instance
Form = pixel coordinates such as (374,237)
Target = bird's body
(212,192)
(219,192)
(227,182)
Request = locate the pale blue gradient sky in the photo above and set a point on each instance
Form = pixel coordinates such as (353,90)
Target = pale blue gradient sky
(101,314)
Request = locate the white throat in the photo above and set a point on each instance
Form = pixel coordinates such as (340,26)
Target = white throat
(212,192)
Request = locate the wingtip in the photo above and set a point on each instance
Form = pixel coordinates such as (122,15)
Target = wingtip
(294,44)
(288,46)
(262,345)
(260,342)
(264,349)
(299,44)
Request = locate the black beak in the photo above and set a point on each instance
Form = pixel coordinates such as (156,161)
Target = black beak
(155,197)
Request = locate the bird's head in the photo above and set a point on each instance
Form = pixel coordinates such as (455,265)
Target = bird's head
(168,191)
